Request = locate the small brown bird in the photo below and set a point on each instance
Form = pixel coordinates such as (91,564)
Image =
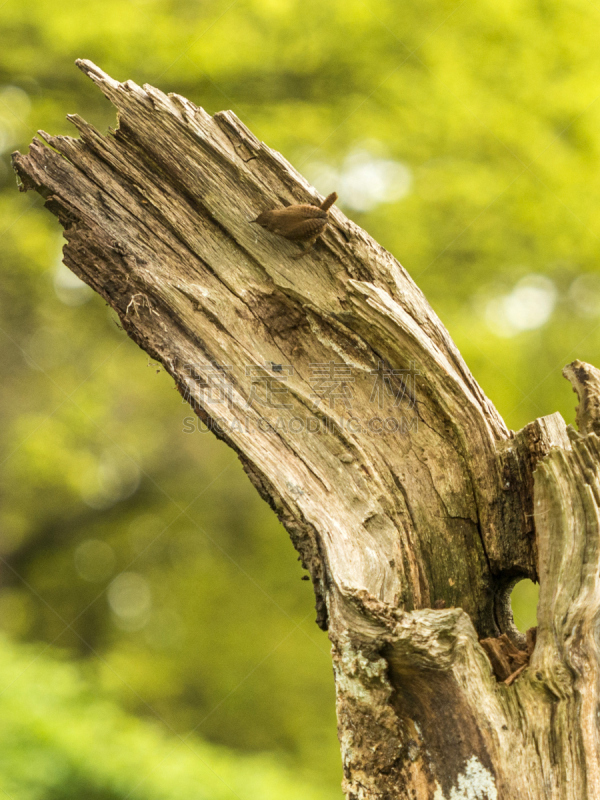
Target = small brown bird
(301,223)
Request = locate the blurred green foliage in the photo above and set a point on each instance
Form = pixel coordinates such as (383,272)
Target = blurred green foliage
(463,136)
(524,600)
(59,739)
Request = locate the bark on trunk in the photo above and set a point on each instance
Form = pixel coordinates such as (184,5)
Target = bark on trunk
(412,506)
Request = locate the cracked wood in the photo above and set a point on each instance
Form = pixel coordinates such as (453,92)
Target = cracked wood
(412,537)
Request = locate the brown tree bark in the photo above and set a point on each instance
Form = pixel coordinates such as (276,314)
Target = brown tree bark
(412,506)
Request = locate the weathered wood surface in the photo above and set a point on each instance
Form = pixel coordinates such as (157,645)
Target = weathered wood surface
(413,536)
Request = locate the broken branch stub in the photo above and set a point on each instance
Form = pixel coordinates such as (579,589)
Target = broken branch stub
(410,502)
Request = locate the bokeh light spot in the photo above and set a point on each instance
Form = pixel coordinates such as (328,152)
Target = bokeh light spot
(528,306)
(94,560)
(364,180)
(130,599)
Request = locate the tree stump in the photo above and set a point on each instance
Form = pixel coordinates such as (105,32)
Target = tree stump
(412,506)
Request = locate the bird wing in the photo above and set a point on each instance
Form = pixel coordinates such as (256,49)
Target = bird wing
(306,228)
(304,210)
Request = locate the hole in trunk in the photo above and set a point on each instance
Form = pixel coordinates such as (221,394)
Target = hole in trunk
(523,601)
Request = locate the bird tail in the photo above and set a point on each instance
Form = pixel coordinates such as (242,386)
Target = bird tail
(329,201)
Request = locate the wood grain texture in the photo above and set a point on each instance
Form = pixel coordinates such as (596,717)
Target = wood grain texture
(389,522)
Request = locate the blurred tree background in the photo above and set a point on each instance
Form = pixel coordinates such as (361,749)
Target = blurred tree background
(465,138)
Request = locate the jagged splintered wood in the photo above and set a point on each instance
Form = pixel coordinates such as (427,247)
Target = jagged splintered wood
(411,504)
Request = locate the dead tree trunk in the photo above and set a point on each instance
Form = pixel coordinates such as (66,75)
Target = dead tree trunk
(411,504)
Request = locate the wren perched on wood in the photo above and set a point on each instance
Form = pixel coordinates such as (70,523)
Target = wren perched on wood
(301,223)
